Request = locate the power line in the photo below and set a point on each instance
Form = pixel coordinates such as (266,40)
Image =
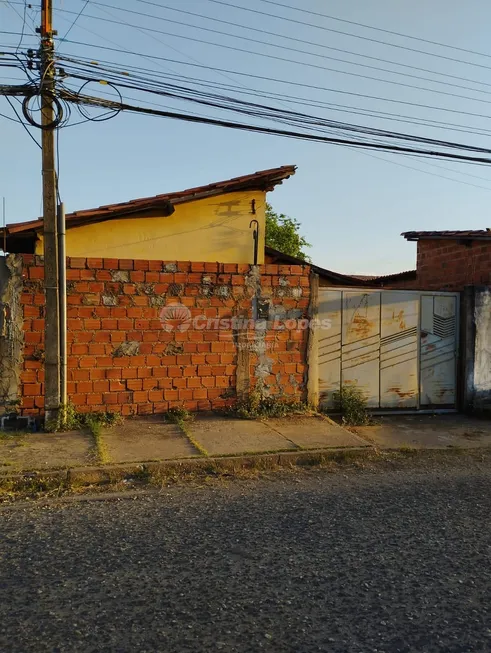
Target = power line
(23,26)
(357,36)
(378,29)
(283,81)
(75,20)
(265,111)
(289,99)
(309,65)
(426,172)
(289,38)
(273,131)
(19,119)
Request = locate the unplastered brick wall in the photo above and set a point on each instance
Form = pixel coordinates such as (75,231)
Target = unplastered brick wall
(452,265)
(146,336)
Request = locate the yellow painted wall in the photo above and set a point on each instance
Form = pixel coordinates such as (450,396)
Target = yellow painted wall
(212,229)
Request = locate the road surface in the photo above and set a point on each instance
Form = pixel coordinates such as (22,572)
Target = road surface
(361,562)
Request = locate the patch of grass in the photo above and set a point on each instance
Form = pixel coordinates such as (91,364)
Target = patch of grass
(11,436)
(178,414)
(69,419)
(352,404)
(258,407)
(181,416)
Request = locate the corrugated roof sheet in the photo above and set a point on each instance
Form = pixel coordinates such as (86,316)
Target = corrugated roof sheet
(466,234)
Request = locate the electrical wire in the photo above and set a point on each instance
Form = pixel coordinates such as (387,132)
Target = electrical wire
(19,119)
(402,149)
(288,99)
(74,21)
(350,34)
(310,65)
(378,29)
(23,26)
(290,39)
(287,82)
(291,117)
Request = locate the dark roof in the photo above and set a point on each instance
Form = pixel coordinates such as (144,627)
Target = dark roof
(263,180)
(334,277)
(467,234)
(407,275)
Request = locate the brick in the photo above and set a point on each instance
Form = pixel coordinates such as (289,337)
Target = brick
(134,384)
(92,324)
(116,385)
(101,386)
(222,381)
(110,263)
(80,375)
(94,399)
(113,373)
(28,376)
(171,395)
(205,370)
(139,264)
(84,387)
(200,393)
(208,381)
(156,395)
(33,338)
(78,400)
(110,398)
(185,394)
(179,382)
(140,396)
(125,264)
(31,389)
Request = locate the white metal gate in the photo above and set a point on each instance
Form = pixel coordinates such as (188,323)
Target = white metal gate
(399,347)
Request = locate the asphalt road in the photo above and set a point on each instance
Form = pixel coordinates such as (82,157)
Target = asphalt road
(363,562)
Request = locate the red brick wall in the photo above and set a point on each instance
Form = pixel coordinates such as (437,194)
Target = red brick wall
(121,358)
(450,265)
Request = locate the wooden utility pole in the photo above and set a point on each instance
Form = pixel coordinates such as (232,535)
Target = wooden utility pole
(50,230)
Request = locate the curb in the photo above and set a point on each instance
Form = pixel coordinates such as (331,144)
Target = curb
(144,471)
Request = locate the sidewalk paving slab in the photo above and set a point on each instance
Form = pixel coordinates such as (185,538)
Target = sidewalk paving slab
(315,432)
(428,431)
(146,439)
(222,436)
(45,450)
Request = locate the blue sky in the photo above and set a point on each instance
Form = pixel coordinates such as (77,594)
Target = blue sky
(352,205)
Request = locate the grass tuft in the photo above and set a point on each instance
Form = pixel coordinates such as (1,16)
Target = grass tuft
(259,407)
(352,404)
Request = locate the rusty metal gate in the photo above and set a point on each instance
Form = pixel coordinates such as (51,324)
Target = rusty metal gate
(399,347)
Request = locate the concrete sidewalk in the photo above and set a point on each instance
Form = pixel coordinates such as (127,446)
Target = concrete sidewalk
(154,439)
(444,431)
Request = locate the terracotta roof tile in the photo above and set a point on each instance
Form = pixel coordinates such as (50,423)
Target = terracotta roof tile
(263,180)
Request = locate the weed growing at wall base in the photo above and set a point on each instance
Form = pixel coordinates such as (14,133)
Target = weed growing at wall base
(259,407)
(352,404)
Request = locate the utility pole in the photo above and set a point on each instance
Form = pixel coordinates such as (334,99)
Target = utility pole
(50,230)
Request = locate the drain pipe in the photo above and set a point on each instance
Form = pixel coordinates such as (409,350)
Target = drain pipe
(255,236)
(62,303)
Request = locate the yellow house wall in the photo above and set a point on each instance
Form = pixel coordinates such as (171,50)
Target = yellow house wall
(210,230)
